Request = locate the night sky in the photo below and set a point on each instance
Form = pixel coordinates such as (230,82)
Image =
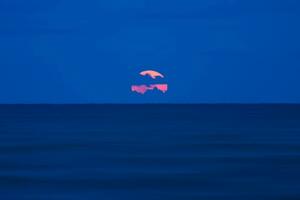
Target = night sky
(211,51)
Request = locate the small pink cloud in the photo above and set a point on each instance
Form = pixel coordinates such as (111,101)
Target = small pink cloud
(142,89)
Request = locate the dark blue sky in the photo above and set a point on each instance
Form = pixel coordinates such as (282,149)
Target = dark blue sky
(68,51)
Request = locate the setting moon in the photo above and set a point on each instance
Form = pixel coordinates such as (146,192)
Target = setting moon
(143,88)
(153,74)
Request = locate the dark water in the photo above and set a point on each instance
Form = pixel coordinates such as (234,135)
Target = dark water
(205,152)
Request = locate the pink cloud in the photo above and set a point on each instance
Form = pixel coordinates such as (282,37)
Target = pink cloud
(142,89)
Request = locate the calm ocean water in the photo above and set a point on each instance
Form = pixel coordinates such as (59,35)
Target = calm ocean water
(107,152)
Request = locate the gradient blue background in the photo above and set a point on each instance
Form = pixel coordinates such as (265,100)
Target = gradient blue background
(66,51)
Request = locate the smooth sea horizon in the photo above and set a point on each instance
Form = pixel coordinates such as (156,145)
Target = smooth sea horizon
(150,151)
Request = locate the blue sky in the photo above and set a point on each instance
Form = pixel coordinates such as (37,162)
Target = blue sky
(211,51)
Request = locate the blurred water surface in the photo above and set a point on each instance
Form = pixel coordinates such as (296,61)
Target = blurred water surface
(209,152)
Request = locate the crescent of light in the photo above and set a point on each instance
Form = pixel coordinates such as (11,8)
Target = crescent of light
(153,74)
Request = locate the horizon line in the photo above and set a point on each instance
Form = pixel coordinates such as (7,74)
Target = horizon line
(225,103)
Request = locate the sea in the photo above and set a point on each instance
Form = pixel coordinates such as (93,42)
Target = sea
(150,152)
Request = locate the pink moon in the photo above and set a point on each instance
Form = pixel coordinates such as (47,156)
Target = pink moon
(142,89)
(153,74)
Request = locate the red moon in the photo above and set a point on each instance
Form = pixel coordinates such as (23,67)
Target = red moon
(142,89)
(153,74)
